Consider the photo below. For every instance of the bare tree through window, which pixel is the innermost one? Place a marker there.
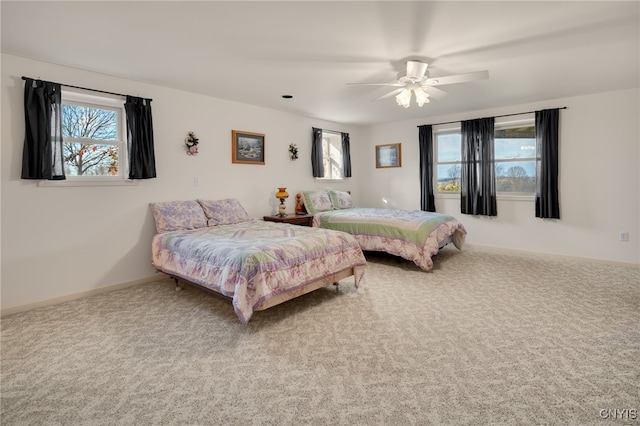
(453, 179)
(83, 128)
(515, 179)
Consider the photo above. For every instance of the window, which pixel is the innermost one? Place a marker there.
(332, 155)
(93, 135)
(449, 157)
(515, 159)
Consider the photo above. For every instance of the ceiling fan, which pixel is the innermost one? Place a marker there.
(416, 79)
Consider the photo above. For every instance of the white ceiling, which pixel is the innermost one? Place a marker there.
(255, 52)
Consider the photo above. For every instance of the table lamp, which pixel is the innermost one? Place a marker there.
(282, 195)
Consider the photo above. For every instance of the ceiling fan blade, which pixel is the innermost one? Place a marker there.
(416, 69)
(458, 78)
(434, 92)
(393, 83)
(388, 95)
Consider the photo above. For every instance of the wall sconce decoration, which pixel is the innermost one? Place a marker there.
(191, 141)
(282, 195)
(293, 152)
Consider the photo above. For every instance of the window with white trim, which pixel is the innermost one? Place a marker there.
(93, 136)
(514, 153)
(332, 155)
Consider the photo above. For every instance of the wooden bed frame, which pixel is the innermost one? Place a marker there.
(279, 298)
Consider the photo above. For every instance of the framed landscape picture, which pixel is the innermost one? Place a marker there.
(247, 147)
(389, 155)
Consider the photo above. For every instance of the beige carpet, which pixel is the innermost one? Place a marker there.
(488, 337)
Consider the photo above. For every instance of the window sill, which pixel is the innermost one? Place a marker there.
(516, 197)
(447, 195)
(87, 182)
(329, 180)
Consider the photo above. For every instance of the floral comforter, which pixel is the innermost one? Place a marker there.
(253, 261)
(414, 235)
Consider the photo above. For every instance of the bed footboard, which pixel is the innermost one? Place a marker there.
(283, 297)
(279, 298)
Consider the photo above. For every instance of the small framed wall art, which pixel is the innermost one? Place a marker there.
(389, 155)
(247, 147)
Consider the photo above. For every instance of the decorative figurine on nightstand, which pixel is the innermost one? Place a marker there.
(282, 195)
(299, 204)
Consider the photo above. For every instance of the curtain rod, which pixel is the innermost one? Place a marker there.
(84, 88)
(328, 130)
(332, 131)
(497, 116)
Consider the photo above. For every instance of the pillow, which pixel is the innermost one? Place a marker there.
(224, 212)
(178, 216)
(340, 199)
(317, 201)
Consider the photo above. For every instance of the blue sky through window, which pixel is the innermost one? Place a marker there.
(512, 149)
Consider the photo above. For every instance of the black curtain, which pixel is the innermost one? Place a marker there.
(142, 160)
(317, 166)
(425, 140)
(42, 156)
(547, 197)
(346, 155)
(478, 183)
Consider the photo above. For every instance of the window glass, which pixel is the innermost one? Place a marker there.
(449, 147)
(92, 137)
(515, 155)
(449, 156)
(515, 159)
(332, 155)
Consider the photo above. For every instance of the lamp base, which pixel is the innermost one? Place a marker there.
(282, 208)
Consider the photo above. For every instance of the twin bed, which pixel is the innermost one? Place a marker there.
(257, 264)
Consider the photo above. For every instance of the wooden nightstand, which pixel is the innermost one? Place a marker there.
(292, 218)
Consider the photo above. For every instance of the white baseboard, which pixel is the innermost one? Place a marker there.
(159, 276)
(29, 306)
(555, 255)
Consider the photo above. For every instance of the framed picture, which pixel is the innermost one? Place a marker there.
(247, 147)
(389, 155)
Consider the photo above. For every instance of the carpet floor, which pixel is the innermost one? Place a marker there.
(487, 337)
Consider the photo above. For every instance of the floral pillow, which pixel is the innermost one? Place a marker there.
(224, 212)
(340, 199)
(178, 216)
(317, 201)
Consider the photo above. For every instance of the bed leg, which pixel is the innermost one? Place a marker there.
(178, 286)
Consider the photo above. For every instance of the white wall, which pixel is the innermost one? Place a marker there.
(64, 241)
(61, 241)
(599, 180)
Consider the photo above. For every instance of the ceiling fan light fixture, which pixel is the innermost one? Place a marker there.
(416, 80)
(404, 98)
(422, 97)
